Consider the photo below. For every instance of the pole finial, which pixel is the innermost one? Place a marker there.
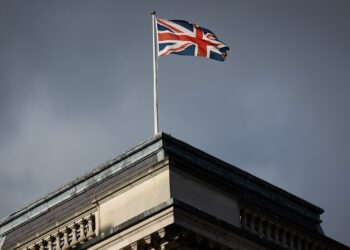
(153, 13)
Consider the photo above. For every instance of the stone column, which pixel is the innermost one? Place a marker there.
(42, 245)
(244, 218)
(284, 237)
(211, 244)
(313, 246)
(260, 227)
(252, 223)
(49, 244)
(74, 241)
(268, 230)
(58, 241)
(82, 236)
(298, 246)
(291, 240)
(90, 233)
(276, 234)
(65, 240)
(306, 244)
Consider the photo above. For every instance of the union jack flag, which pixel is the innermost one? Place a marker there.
(184, 38)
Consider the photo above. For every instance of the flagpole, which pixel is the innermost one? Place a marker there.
(155, 74)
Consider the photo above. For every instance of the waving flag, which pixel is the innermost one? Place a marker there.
(183, 38)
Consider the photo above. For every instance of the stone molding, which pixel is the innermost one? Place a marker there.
(174, 237)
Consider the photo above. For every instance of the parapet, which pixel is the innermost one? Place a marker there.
(166, 194)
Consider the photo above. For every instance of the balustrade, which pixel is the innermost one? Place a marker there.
(68, 237)
(275, 232)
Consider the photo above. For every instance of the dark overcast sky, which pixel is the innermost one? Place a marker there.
(76, 90)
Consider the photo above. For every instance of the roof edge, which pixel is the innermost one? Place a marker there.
(232, 168)
(72, 186)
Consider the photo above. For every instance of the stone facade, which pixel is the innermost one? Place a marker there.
(166, 194)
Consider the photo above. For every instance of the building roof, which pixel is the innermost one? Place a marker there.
(250, 191)
(247, 187)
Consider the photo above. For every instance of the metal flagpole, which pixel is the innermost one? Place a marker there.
(155, 73)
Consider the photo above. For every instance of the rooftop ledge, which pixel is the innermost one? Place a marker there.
(167, 145)
(82, 183)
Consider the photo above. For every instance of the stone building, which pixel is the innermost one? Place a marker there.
(166, 194)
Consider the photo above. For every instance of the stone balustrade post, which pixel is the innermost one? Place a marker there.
(268, 230)
(49, 244)
(90, 232)
(211, 244)
(276, 234)
(58, 241)
(306, 244)
(298, 246)
(82, 236)
(291, 240)
(74, 241)
(260, 228)
(284, 237)
(42, 245)
(65, 240)
(314, 246)
(252, 223)
(244, 218)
